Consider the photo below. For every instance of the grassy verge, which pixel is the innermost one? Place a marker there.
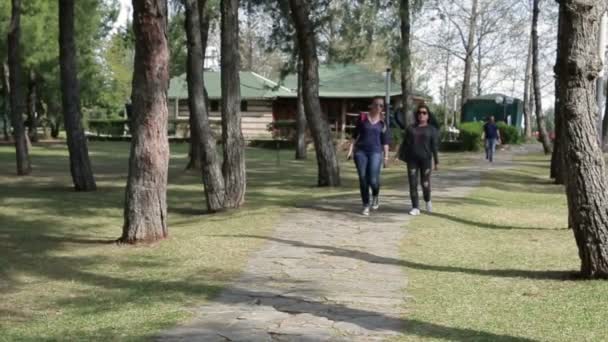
(61, 278)
(499, 265)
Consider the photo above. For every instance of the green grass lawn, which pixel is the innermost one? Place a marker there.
(62, 278)
(499, 265)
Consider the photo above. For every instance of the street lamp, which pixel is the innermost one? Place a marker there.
(504, 101)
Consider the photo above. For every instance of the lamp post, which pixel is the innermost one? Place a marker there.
(504, 101)
(387, 101)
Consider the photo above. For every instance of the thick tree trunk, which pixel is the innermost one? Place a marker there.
(213, 180)
(405, 55)
(469, 50)
(16, 91)
(146, 193)
(32, 96)
(586, 185)
(232, 136)
(80, 164)
(527, 94)
(6, 93)
(540, 116)
(557, 157)
(300, 115)
(327, 162)
(194, 153)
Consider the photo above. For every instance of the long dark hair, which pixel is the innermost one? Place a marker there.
(432, 120)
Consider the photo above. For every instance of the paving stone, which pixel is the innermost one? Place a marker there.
(326, 274)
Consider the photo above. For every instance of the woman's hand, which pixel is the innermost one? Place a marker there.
(386, 160)
(436, 168)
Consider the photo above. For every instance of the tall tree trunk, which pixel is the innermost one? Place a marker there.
(16, 92)
(195, 154)
(232, 136)
(479, 66)
(540, 116)
(527, 93)
(31, 106)
(80, 164)
(586, 185)
(146, 193)
(557, 157)
(446, 90)
(405, 55)
(6, 93)
(605, 129)
(250, 35)
(469, 50)
(213, 180)
(300, 115)
(327, 162)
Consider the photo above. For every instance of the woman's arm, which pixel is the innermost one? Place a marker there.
(435, 146)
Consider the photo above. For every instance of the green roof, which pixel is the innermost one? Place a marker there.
(347, 81)
(253, 86)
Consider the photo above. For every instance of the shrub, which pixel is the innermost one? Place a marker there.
(470, 135)
(283, 129)
(111, 127)
(509, 134)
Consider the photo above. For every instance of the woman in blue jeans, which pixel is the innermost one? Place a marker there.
(370, 149)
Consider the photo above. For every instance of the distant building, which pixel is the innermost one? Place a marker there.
(344, 90)
(502, 107)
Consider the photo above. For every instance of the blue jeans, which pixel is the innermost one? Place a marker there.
(490, 149)
(368, 167)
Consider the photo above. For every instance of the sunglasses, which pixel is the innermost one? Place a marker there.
(423, 113)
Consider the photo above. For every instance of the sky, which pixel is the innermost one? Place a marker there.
(125, 8)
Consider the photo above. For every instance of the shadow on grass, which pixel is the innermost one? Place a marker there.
(335, 312)
(368, 257)
(486, 225)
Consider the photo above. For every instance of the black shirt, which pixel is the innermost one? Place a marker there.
(420, 143)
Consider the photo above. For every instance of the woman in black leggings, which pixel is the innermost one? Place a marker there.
(419, 150)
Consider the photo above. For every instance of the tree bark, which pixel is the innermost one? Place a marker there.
(233, 168)
(527, 93)
(6, 93)
(557, 159)
(194, 153)
(80, 164)
(327, 162)
(301, 115)
(586, 185)
(540, 116)
(16, 93)
(470, 49)
(406, 62)
(605, 128)
(213, 180)
(31, 106)
(146, 193)
(479, 65)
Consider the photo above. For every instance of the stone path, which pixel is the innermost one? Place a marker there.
(326, 274)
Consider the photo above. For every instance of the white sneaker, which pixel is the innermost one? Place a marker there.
(365, 211)
(375, 203)
(429, 206)
(415, 212)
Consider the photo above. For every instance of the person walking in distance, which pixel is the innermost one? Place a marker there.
(491, 136)
(369, 147)
(419, 151)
